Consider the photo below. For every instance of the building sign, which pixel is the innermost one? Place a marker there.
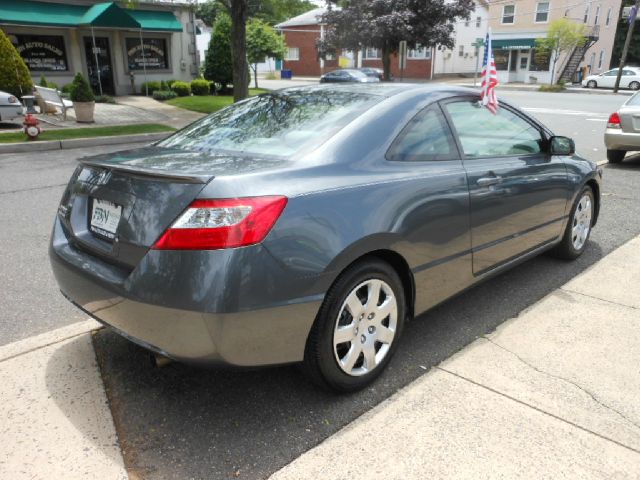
(42, 52)
(152, 57)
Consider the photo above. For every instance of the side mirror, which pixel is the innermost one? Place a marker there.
(562, 146)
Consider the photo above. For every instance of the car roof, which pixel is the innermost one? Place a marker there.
(385, 89)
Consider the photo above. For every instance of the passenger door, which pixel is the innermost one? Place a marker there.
(518, 191)
(433, 216)
(608, 79)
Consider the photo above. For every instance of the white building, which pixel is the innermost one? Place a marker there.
(464, 57)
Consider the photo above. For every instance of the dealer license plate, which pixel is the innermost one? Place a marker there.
(105, 217)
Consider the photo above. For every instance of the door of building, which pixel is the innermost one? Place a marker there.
(103, 69)
(523, 65)
(513, 65)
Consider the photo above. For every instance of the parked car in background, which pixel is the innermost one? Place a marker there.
(307, 224)
(347, 75)
(10, 107)
(373, 72)
(630, 79)
(623, 130)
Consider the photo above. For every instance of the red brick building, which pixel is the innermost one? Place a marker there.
(302, 32)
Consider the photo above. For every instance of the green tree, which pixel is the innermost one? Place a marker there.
(633, 55)
(562, 36)
(271, 11)
(14, 74)
(218, 65)
(263, 41)
(383, 24)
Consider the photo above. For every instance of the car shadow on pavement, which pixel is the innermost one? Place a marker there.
(184, 422)
(630, 162)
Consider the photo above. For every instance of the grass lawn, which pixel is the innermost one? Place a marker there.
(87, 132)
(208, 103)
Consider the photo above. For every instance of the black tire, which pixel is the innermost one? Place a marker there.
(592, 84)
(566, 249)
(634, 85)
(320, 361)
(615, 156)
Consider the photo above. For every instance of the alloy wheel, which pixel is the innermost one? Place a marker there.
(581, 221)
(365, 327)
(634, 85)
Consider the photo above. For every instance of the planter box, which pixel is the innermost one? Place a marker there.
(84, 111)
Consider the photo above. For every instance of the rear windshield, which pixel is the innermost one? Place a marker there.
(635, 100)
(277, 124)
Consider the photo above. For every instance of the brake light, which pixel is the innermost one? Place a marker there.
(223, 223)
(614, 121)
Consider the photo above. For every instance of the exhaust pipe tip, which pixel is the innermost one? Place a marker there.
(159, 361)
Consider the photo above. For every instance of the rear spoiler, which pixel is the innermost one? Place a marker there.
(150, 172)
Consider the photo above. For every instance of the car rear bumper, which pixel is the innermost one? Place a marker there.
(270, 335)
(617, 139)
(9, 112)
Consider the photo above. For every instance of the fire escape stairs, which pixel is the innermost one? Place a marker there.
(576, 56)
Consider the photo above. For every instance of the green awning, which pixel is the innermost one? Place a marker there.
(513, 44)
(108, 14)
(155, 20)
(40, 13)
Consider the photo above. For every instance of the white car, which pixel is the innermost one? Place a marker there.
(630, 79)
(10, 107)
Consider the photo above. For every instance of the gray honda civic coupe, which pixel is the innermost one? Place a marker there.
(309, 224)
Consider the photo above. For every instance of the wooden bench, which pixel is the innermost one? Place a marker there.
(51, 96)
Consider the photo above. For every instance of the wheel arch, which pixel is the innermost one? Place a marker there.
(399, 264)
(596, 195)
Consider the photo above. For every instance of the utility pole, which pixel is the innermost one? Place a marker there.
(623, 59)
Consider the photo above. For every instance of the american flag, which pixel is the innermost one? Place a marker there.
(489, 77)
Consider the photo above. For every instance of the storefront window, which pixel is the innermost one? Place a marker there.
(539, 61)
(42, 53)
(501, 58)
(154, 56)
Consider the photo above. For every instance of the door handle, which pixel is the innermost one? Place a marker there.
(488, 181)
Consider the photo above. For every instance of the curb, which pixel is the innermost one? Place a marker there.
(80, 142)
(36, 342)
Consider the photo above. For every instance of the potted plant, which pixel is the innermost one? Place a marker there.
(83, 99)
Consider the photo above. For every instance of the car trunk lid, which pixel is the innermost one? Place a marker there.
(117, 205)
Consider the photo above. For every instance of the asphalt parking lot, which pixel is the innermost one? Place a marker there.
(181, 422)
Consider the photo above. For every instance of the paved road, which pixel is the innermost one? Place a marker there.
(30, 189)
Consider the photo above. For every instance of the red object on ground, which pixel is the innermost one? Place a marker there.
(31, 126)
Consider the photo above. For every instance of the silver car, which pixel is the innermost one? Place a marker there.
(623, 130)
(10, 107)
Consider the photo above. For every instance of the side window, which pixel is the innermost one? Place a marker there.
(483, 134)
(426, 137)
(611, 73)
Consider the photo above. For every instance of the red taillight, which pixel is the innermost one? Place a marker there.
(223, 223)
(614, 121)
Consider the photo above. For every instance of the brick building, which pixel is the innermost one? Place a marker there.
(302, 32)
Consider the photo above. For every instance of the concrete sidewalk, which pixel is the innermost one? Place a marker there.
(55, 417)
(553, 393)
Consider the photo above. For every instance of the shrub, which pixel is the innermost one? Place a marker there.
(14, 74)
(164, 86)
(66, 88)
(152, 85)
(164, 95)
(183, 89)
(81, 91)
(170, 82)
(218, 64)
(105, 99)
(551, 88)
(43, 81)
(200, 86)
